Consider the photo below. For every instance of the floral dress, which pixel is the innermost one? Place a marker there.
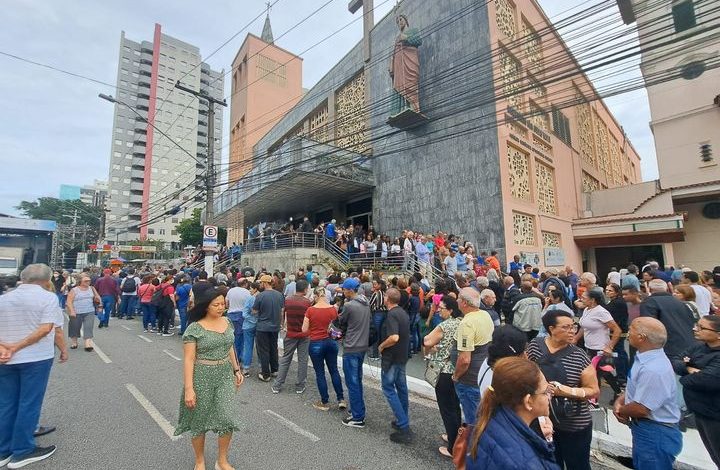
(216, 408)
(446, 345)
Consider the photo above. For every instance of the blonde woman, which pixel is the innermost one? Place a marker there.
(81, 306)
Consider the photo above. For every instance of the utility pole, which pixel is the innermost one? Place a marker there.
(210, 166)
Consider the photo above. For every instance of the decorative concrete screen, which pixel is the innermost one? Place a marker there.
(505, 17)
(351, 116)
(545, 188)
(519, 166)
(523, 229)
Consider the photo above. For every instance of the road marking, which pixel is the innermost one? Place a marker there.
(126, 327)
(144, 338)
(102, 355)
(171, 355)
(294, 427)
(153, 412)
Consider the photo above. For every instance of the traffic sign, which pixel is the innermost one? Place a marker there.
(210, 237)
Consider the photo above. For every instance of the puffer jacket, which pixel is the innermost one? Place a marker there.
(509, 444)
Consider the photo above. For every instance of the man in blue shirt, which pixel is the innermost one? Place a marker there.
(515, 264)
(649, 405)
(330, 230)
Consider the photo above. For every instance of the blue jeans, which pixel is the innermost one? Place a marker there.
(182, 311)
(239, 342)
(148, 313)
(394, 387)
(415, 340)
(655, 446)
(62, 299)
(378, 320)
(469, 396)
(352, 368)
(23, 389)
(621, 362)
(248, 343)
(326, 351)
(108, 303)
(128, 305)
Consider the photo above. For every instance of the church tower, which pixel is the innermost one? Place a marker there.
(266, 84)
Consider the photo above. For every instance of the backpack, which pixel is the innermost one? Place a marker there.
(128, 285)
(159, 298)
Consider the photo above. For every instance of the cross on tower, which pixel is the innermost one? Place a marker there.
(368, 22)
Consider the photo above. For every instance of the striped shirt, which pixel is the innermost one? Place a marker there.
(574, 362)
(22, 311)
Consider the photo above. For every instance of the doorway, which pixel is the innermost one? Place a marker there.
(619, 257)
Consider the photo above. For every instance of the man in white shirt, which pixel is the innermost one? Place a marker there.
(28, 316)
(235, 301)
(129, 295)
(703, 297)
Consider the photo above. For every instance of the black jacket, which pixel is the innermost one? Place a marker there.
(676, 317)
(619, 311)
(701, 389)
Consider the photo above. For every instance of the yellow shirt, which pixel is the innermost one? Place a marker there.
(476, 329)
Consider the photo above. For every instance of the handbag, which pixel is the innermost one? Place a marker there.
(433, 369)
(459, 450)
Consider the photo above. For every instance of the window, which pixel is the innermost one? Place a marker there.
(162, 231)
(683, 13)
(118, 142)
(151, 231)
(561, 126)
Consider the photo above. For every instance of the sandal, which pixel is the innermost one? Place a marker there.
(73, 346)
(444, 451)
(89, 349)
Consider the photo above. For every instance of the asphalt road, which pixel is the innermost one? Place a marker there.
(116, 408)
(102, 423)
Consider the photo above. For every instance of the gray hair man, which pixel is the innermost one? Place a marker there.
(473, 337)
(487, 303)
(673, 314)
(649, 403)
(28, 315)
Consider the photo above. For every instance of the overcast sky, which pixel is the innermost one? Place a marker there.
(55, 130)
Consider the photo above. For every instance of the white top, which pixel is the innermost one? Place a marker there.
(595, 330)
(484, 377)
(137, 284)
(450, 265)
(22, 311)
(237, 298)
(703, 299)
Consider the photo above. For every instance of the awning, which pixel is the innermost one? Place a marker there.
(298, 193)
(628, 230)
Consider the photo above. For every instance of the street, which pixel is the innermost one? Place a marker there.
(107, 413)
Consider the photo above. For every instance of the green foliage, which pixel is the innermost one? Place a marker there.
(191, 230)
(50, 208)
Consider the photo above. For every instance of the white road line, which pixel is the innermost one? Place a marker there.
(294, 427)
(126, 327)
(144, 338)
(153, 412)
(102, 355)
(171, 355)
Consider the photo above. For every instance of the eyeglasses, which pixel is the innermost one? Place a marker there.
(569, 327)
(698, 327)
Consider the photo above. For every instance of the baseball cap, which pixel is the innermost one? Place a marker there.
(266, 278)
(351, 283)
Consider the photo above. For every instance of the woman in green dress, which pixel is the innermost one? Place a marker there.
(212, 377)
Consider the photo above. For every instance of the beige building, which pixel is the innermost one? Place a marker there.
(675, 219)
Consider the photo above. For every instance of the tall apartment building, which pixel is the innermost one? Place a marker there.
(149, 174)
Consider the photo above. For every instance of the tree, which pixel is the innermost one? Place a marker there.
(191, 230)
(50, 208)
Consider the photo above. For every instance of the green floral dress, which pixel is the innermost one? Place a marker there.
(216, 408)
(446, 345)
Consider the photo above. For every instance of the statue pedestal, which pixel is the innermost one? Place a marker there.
(407, 119)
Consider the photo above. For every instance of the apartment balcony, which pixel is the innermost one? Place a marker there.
(136, 186)
(138, 162)
(202, 140)
(139, 149)
(137, 174)
(143, 104)
(140, 139)
(135, 217)
(145, 69)
(136, 198)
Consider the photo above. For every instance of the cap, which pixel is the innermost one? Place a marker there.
(266, 278)
(351, 283)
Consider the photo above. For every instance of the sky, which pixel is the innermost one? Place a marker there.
(55, 130)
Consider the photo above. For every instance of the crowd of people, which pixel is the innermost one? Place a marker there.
(516, 356)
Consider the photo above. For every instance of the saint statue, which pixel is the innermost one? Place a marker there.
(405, 69)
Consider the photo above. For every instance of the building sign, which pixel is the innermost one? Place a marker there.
(210, 237)
(28, 224)
(529, 257)
(554, 257)
(119, 248)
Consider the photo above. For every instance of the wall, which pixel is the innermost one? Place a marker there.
(288, 260)
(443, 175)
(623, 200)
(699, 250)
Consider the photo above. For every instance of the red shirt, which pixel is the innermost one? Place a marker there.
(295, 308)
(320, 319)
(145, 291)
